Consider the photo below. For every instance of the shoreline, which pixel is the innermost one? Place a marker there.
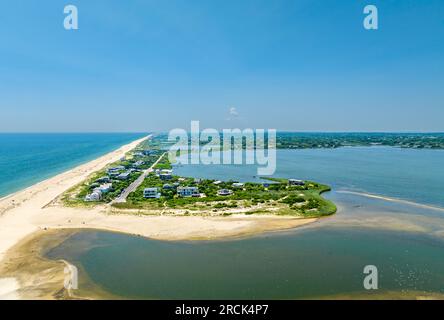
(41, 277)
(83, 162)
(27, 273)
(31, 211)
(18, 209)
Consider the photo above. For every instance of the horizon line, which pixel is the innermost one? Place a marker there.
(163, 131)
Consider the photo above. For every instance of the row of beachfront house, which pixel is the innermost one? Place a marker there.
(183, 192)
(143, 153)
(105, 182)
(120, 172)
(115, 171)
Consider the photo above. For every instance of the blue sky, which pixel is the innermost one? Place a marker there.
(297, 65)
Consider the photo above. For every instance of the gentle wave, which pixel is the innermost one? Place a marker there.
(397, 200)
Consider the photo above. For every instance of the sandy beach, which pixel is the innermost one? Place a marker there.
(30, 212)
(8, 289)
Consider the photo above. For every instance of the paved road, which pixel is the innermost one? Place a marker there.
(133, 186)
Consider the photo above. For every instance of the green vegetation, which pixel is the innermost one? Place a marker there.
(134, 162)
(158, 142)
(276, 196)
(164, 163)
(291, 140)
(313, 140)
(117, 186)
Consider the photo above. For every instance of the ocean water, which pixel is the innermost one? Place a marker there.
(26, 159)
(404, 240)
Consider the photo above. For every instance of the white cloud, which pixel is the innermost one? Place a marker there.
(233, 112)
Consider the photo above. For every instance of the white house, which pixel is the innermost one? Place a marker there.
(104, 188)
(115, 169)
(295, 182)
(224, 192)
(238, 185)
(138, 163)
(96, 195)
(151, 193)
(188, 192)
(124, 176)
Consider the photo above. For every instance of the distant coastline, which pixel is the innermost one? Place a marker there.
(294, 140)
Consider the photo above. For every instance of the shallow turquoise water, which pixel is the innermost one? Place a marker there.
(26, 159)
(325, 258)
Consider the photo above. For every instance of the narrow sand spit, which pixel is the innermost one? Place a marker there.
(27, 212)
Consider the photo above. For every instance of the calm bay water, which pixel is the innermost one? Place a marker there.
(304, 264)
(409, 174)
(26, 159)
(405, 241)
